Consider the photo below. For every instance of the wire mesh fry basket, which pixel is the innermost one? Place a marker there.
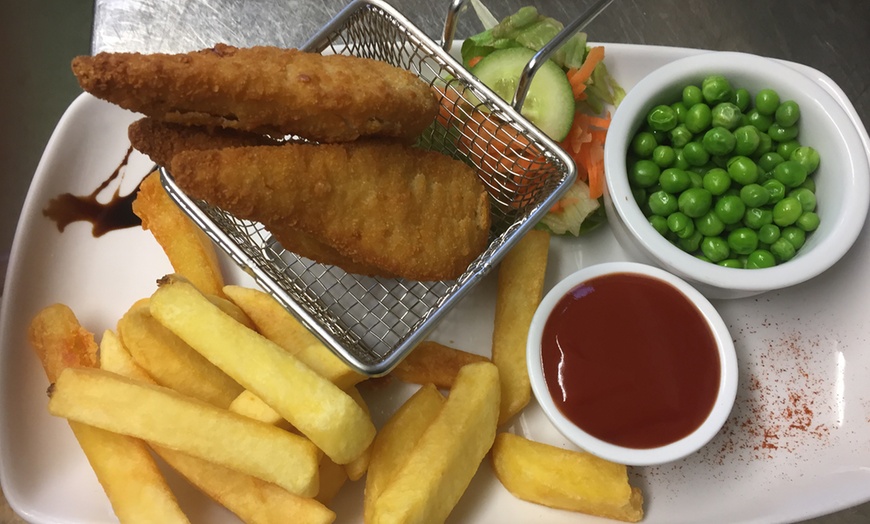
(371, 323)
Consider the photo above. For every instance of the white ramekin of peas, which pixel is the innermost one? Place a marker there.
(736, 172)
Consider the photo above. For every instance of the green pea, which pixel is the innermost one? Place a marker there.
(644, 173)
(730, 209)
(754, 195)
(806, 197)
(659, 223)
(709, 224)
(662, 118)
(664, 156)
(698, 118)
(788, 113)
(768, 233)
(674, 180)
(680, 110)
(766, 101)
(691, 243)
(807, 157)
(786, 211)
(697, 179)
(695, 202)
(726, 115)
(715, 248)
(680, 136)
(785, 149)
(743, 170)
(731, 262)
(808, 221)
(782, 134)
(810, 184)
(756, 217)
(775, 188)
(695, 154)
(747, 139)
(716, 89)
(765, 144)
(679, 161)
(692, 95)
(741, 98)
(791, 173)
(662, 203)
(759, 121)
(782, 250)
(681, 224)
(759, 259)
(768, 161)
(643, 144)
(743, 241)
(716, 181)
(719, 141)
(795, 235)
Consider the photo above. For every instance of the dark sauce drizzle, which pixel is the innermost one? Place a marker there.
(115, 214)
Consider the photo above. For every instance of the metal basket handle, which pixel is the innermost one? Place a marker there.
(535, 63)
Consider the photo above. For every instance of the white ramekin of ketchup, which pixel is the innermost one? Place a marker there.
(631, 363)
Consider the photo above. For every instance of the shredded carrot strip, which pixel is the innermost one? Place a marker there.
(473, 61)
(578, 77)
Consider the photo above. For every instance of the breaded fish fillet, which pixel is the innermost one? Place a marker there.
(162, 140)
(406, 212)
(333, 98)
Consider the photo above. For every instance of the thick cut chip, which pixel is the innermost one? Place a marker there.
(123, 465)
(434, 363)
(166, 418)
(128, 474)
(60, 341)
(189, 250)
(520, 286)
(332, 477)
(252, 499)
(313, 405)
(114, 357)
(565, 479)
(396, 440)
(439, 468)
(252, 406)
(171, 361)
(278, 325)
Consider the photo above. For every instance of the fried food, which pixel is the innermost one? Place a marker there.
(123, 465)
(278, 325)
(439, 468)
(59, 341)
(169, 419)
(269, 90)
(434, 363)
(520, 286)
(409, 213)
(171, 361)
(315, 406)
(396, 439)
(189, 250)
(565, 479)
(161, 141)
(252, 499)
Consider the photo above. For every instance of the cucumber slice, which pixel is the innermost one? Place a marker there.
(549, 103)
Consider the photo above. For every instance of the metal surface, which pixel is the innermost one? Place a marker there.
(371, 323)
(43, 36)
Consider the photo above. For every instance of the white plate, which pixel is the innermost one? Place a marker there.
(795, 446)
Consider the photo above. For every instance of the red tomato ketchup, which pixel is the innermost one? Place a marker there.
(630, 360)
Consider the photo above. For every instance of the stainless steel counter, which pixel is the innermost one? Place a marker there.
(830, 36)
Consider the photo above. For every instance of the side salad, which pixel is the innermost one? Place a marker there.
(567, 100)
